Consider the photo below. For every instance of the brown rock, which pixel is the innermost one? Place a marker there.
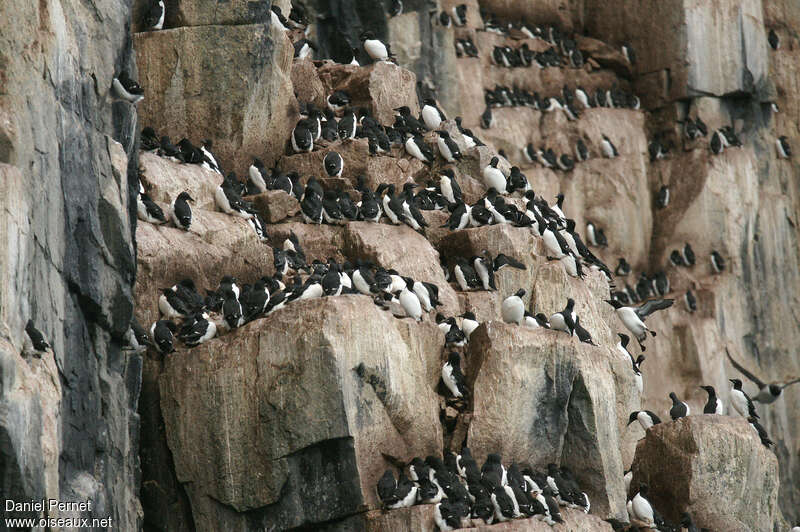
(604, 54)
(357, 161)
(239, 94)
(300, 394)
(207, 12)
(275, 205)
(554, 404)
(217, 244)
(381, 87)
(163, 180)
(680, 462)
(307, 85)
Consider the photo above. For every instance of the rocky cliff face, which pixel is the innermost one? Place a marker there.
(288, 422)
(69, 427)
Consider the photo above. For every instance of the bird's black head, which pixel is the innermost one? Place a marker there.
(366, 35)
(643, 489)
(448, 172)
(185, 197)
(440, 317)
(493, 458)
(775, 389)
(187, 283)
(624, 339)
(469, 315)
(709, 389)
(493, 162)
(673, 396)
(640, 359)
(632, 417)
(570, 303)
(442, 133)
(616, 304)
(737, 384)
(520, 293)
(453, 359)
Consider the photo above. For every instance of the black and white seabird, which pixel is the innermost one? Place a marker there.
(662, 198)
(717, 262)
(688, 255)
(633, 317)
(431, 114)
(690, 300)
(767, 392)
(447, 147)
(609, 150)
(582, 334)
(741, 401)
(410, 302)
(34, 342)
(303, 48)
(126, 89)
(395, 8)
(493, 177)
(386, 487)
(148, 211)
(182, 212)
(419, 149)
(338, 101)
(565, 319)
(468, 323)
(784, 149)
(302, 136)
(714, 403)
(448, 186)
(154, 17)
(773, 40)
(162, 332)
(645, 418)
(460, 15)
(640, 508)
(629, 53)
(581, 151)
(333, 164)
(513, 309)
(716, 144)
(623, 268)
(679, 408)
(452, 377)
(376, 50)
(201, 330)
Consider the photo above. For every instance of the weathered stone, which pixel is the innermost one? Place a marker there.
(357, 162)
(217, 244)
(275, 205)
(273, 391)
(307, 85)
(239, 94)
(163, 180)
(380, 87)
(554, 405)
(681, 463)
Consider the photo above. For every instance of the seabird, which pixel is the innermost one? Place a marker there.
(640, 507)
(582, 334)
(417, 147)
(302, 137)
(636, 365)
(448, 186)
(767, 393)
(182, 212)
(717, 262)
(447, 147)
(628, 52)
(34, 343)
(303, 48)
(581, 151)
(645, 418)
(662, 198)
(609, 150)
(431, 114)
(679, 408)
(410, 302)
(333, 164)
(162, 332)
(784, 150)
(513, 309)
(154, 17)
(201, 330)
(623, 268)
(741, 401)
(148, 211)
(714, 403)
(395, 8)
(688, 255)
(493, 177)
(255, 174)
(487, 120)
(375, 49)
(773, 40)
(716, 143)
(338, 101)
(633, 317)
(690, 301)
(348, 125)
(460, 15)
(564, 320)
(468, 323)
(452, 377)
(126, 89)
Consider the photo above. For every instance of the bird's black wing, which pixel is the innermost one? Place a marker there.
(744, 372)
(504, 260)
(652, 306)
